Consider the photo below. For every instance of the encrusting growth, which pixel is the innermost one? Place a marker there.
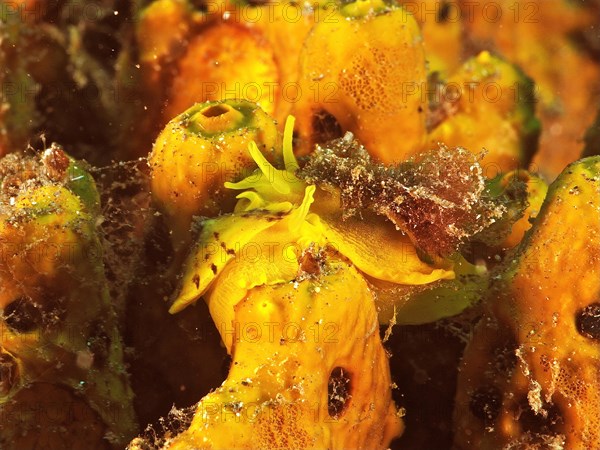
(61, 350)
(539, 387)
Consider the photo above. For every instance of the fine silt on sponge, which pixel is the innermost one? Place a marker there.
(63, 381)
(529, 376)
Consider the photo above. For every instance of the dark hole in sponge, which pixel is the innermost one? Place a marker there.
(338, 392)
(485, 403)
(215, 111)
(542, 422)
(587, 321)
(443, 13)
(22, 315)
(325, 127)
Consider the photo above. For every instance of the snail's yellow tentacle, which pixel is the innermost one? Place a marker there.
(291, 164)
(298, 217)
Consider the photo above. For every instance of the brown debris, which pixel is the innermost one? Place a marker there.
(438, 199)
